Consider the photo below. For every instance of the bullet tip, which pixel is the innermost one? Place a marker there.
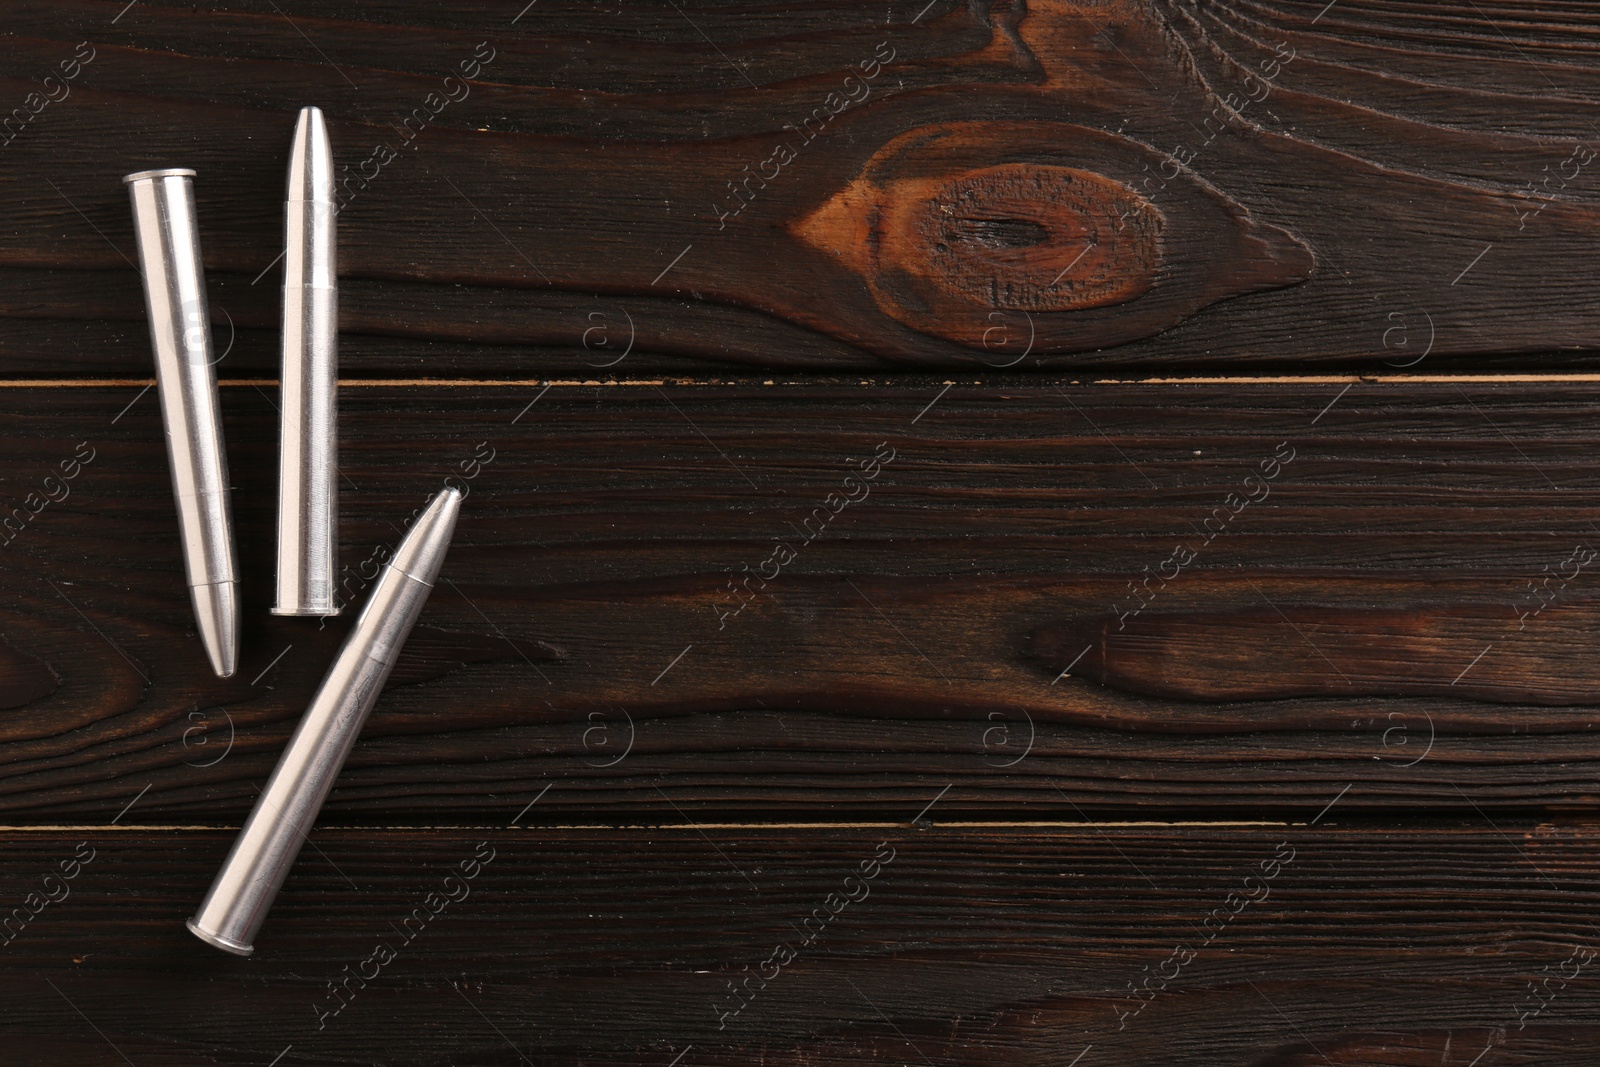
(216, 614)
(310, 158)
(422, 551)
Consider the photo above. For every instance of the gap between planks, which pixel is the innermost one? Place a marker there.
(908, 380)
(1034, 824)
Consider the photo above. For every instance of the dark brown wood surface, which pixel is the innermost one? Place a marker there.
(1264, 946)
(834, 186)
(999, 611)
(997, 532)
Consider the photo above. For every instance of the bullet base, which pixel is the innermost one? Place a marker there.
(313, 613)
(217, 940)
(149, 175)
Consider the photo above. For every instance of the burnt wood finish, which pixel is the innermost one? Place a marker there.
(979, 185)
(859, 645)
(811, 601)
(1204, 946)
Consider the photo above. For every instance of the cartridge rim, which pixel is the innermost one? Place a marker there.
(218, 940)
(165, 172)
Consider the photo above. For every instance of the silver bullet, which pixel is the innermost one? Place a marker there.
(232, 912)
(180, 334)
(308, 499)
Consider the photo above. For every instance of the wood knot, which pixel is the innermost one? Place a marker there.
(1027, 237)
(943, 253)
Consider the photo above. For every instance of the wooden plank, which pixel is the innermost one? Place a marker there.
(1121, 945)
(1281, 590)
(978, 186)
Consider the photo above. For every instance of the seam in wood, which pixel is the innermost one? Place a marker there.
(1044, 380)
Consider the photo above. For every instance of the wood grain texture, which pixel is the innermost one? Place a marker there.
(773, 681)
(536, 193)
(1258, 946)
(827, 600)
(1215, 655)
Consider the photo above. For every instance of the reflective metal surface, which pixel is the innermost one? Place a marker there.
(266, 848)
(180, 334)
(308, 501)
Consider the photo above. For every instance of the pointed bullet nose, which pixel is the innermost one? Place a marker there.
(422, 552)
(216, 613)
(311, 159)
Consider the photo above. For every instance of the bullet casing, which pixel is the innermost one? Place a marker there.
(244, 889)
(180, 335)
(308, 499)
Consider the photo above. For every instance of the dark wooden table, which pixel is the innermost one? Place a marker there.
(998, 533)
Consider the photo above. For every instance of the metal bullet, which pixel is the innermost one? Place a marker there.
(308, 499)
(180, 334)
(232, 912)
